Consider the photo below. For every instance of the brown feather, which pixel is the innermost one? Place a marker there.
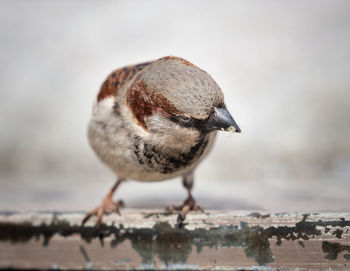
(143, 102)
(117, 79)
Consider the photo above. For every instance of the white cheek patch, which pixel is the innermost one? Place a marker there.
(102, 110)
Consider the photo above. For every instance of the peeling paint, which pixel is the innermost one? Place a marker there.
(173, 245)
(338, 233)
(258, 215)
(333, 249)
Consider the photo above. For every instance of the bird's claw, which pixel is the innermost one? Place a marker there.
(118, 205)
(107, 207)
(188, 205)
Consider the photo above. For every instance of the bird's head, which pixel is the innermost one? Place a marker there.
(173, 99)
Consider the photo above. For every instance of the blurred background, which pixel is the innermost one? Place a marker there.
(284, 67)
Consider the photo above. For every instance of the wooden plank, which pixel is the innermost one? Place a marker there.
(141, 239)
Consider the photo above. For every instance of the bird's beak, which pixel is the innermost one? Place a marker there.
(221, 119)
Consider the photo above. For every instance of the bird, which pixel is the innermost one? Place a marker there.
(155, 121)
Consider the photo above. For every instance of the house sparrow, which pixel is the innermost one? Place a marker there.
(154, 121)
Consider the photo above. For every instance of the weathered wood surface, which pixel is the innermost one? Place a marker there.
(141, 239)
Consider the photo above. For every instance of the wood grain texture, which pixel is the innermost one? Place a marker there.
(142, 239)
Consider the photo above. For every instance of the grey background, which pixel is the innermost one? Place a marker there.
(284, 67)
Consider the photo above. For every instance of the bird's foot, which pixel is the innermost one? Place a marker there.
(108, 206)
(188, 205)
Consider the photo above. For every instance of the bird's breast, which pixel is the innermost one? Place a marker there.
(153, 158)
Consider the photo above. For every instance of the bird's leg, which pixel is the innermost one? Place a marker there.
(107, 206)
(190, 203)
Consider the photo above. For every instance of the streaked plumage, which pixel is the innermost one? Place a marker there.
(157, 120)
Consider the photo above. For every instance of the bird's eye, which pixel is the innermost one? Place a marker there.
(185, 118)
